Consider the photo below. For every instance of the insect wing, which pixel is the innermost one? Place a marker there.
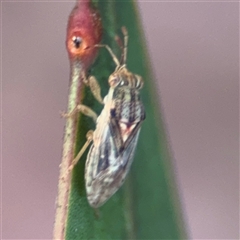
(127, 115)
(104, 172)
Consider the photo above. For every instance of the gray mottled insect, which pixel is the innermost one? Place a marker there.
(116, 134)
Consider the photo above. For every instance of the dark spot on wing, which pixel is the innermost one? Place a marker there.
(113, 113)
(103, 157)
(121, 149)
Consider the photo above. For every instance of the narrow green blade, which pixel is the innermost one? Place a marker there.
(147, 205)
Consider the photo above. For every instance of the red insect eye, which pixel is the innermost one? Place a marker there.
(76, 44)
(77, 41)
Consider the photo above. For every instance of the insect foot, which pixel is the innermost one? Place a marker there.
(83, 109)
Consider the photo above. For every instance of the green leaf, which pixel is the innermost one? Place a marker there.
(147, 205)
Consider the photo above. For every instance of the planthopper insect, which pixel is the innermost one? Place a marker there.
(117, 131)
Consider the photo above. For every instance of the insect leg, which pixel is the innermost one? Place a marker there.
(89, 137)
(95, 88)
(83, 109)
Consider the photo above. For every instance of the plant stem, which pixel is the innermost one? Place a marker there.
(84, 24)
(75, 92)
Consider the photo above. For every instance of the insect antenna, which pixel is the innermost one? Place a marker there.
(125, 34)
(115, 59)
(120, 44)
(122, 63)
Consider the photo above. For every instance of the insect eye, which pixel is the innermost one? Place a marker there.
(77, 41)
(124, 82)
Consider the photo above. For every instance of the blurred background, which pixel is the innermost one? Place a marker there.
(194, 53)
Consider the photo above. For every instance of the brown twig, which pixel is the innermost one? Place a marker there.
(67, 156)
(83, 32)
